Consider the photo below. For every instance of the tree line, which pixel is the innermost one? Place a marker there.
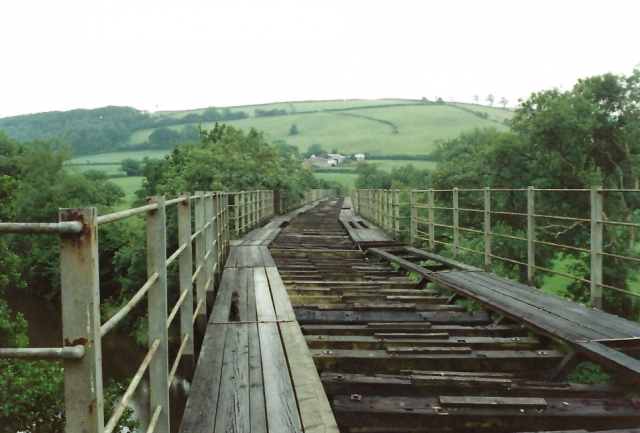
(34, 184)
(587, 136)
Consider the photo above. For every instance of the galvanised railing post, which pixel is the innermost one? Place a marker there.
(201, 251)
(375, 206)
(186, 270)
(487, 229)
(432, 220)
(243, 207)
(597, 215)
(81, 322)
(209, 255)
(397, 216)
(456, 232)
(385, 197)
(157, 264)
(236, 213)
(215, 222)
(414, 218)
(531, 227)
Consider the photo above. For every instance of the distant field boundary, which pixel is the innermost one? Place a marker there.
(80, 164)
(402, 157)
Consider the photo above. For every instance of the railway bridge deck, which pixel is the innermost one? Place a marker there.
(322, 324)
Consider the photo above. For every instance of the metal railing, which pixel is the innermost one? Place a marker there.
(383, 208)
(80, 290)
(210, 213)
(250, 208)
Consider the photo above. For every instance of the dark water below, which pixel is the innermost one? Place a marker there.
(121, 355)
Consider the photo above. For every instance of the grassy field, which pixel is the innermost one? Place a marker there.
(109, 169)
(118, 156)
(347, 179)
(410, 130)
(129, 185)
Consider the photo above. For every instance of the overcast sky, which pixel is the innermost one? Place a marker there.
(61, 55)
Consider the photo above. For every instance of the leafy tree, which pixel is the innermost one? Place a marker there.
(293, 130)
(189, 133)
(504, 102)
(131, 167)
(163, 138)
(490, 99)
(314, 149)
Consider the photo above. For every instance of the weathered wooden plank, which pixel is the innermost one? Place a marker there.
(452, 330)
(280, 400)
(308, 317)
(233, 412)
(358, 361)
(200, 411)
(257, 406)
(459, 383)
(519, 402)
(416, 412)
(377, 342)
(266, 257)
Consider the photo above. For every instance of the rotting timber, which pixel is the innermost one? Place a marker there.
(398, 355)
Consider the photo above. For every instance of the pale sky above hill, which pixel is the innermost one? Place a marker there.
(172, 55)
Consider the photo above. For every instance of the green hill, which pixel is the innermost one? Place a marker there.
(374, 127)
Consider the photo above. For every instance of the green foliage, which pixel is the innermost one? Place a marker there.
(315, 149)
(270, 113)
(131, 167)
(86, 131)
(293, 130)
(588, 372)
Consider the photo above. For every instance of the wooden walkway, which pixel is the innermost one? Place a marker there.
(255, 372)
(310, 333)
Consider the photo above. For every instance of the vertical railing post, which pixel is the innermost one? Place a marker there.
(531, 228)
(79, 272)
(387, 214)
(227, 236)
(456, 232)
(209, 262)
(216, 250)
(201, 251)
(236, 214)
(186, 270)
(157, 310)
(487, 229)
(282, 211)
(597, 214)
(414, 218)
(243, 225)
(432, 220)
(397, 216)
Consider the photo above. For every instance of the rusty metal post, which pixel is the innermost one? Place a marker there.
(432, 220)
(414, 218)
(215, 222)
(201, 251)
(157, 310)
(79, 270)
(531, 228)
(186, 270)
(236, 213)
(597, 215)
(397, 216)
(210, 259)
(487, 229)
(456, 232)
(243, 213)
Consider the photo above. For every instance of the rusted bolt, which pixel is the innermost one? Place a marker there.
(327, 352)
(320, 337)
(356, 397)
(339, 377)
(357, 317)
(541, 352)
